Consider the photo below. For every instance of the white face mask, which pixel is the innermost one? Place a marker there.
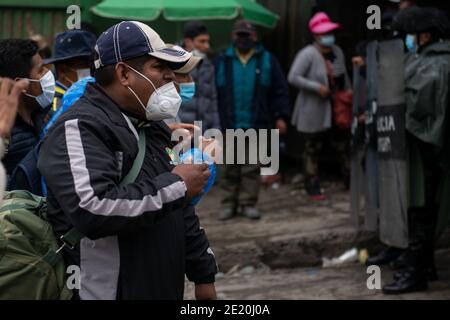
(164, 102)
(47, 83)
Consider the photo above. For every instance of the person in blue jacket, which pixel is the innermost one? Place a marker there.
(252, 93)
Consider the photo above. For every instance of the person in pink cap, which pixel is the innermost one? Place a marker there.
(318, 72)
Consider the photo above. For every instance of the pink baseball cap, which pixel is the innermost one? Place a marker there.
(321, 23)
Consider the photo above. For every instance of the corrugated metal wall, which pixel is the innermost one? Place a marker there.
(23, 18)
(22, 23)
(291, 32)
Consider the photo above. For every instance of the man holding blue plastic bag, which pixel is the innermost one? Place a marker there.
(141, 237)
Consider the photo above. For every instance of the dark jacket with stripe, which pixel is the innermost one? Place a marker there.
(141, 239)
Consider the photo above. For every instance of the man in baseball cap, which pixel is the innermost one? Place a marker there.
(121, 189)
(131, 58)
(131, 39)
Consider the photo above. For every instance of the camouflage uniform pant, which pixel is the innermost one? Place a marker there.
(240, 182)
(340, 142)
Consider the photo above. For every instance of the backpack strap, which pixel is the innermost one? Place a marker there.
(138, 161)
(73, 237)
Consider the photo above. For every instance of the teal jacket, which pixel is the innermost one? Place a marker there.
(253, 95)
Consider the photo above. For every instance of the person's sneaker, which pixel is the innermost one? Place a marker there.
(251, 212)
(226, 214)
(314, 190)
(319, 197)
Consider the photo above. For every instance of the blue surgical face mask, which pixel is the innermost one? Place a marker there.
(187, 91)
(328, 40)
(410, 42)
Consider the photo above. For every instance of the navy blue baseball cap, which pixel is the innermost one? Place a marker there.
(131, 39)
(72, 44)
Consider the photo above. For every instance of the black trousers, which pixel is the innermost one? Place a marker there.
(422, 220)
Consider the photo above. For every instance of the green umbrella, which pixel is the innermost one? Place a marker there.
(184, 10)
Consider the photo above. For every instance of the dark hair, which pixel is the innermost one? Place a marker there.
(45, 52)
(15, 57)
(193, 29)
(105, 75)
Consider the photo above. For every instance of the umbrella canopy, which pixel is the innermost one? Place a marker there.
(182, 10)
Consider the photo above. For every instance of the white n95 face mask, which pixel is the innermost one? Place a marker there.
(47, 83)
(164, 102)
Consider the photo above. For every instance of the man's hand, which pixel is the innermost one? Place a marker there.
(187, 126)
(205, 291)
(9, 101)
(213, 148)
(324, 92)
(185, 132)
(195, 176)
(281, 126)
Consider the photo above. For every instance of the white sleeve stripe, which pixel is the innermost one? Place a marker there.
(108, 207)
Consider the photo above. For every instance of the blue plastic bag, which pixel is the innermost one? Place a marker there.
(198, 157)
(69, 98)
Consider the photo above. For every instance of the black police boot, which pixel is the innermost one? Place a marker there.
(431, 274)
(425, 227)
(401, 262)
(414, 277)
(384, 257)
(412, 280)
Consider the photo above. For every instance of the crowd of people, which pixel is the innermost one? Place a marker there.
(140, 88)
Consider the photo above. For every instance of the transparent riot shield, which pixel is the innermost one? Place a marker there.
(391, 133)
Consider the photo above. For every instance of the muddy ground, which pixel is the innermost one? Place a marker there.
(280, 256)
